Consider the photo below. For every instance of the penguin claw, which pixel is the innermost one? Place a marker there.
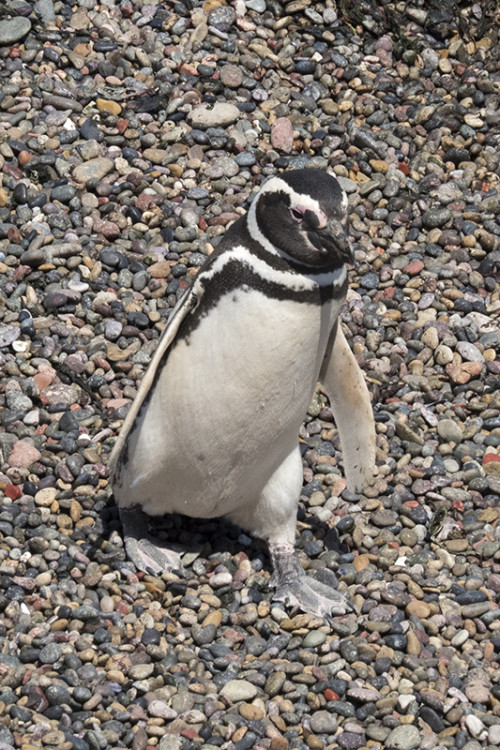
(150, 557)
(146, 552)
(297, 590)
(308, 596)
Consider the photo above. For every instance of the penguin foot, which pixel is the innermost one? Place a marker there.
(145, 551)
(296, 589)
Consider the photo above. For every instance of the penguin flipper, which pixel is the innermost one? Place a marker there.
(350, 400)
(188, 302)
(144, 550)
(298, 590)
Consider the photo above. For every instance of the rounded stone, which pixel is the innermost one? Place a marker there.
(14, 29)
(450, 431)
(239, 690)
(323, 722)
(405, 737)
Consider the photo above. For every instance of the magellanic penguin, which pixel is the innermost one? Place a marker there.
(214, 428)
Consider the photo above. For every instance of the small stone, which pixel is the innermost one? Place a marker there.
(323, 722)
(473, 121)
(219, 114)
(221, 17)
(23, 454)
(413, 646)
(436, 217)
(13, 29)
(364, 695)
(413, 269)
(351, 740)
(430, 337)
(162, 710)
(450, 431)
(239, 690)
(251, 712)
(314, 639)
(469, 352)
(46, 496)
(461, 374)
(231, 75)
(405, 737)
(107, 105)
(418, 608)
(274, 683)
(494, 735)
(474, 725)
(443, 355)
(50, 653)
(282, 134)
(92, 169)
(378, 165)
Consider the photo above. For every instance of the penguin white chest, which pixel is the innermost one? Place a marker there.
(227, 405)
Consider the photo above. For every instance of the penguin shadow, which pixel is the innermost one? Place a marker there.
(212, 542)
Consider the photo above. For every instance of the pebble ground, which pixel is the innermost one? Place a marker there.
(131, 134)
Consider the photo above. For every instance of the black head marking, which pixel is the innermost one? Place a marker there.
(303, 213)
(319, 185)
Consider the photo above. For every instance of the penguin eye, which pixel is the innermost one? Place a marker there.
(296, 214)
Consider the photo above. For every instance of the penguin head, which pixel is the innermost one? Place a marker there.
(303, 214)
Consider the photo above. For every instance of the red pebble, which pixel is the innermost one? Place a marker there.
(122, 125)
(12, 491)
(404, 168)
(490, 457)
(331, 695)
(123, 607)
(414, 268)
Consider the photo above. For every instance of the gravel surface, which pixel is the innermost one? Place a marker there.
(130, 135)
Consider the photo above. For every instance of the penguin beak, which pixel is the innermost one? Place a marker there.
(337, 233)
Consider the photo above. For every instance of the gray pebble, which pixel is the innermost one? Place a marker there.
(13, 29)
(405, 737)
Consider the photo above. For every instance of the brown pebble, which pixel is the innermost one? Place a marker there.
(414, 646)
(231, 76)
(213, 618)
(314, 742)
(462, 373)
(24, 157)
(251, 712)
(279, 743)
(361, 562)
(296, 623)
(160, 270)
(418, 608)
(106, 105)
(140, 741)
(379, 165)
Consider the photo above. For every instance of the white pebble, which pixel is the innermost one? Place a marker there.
(20, 346)
(475, 726)
(460, 637)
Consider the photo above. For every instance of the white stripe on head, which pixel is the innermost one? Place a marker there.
(298, 200)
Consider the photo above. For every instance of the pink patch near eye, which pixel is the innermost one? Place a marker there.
(296, 214)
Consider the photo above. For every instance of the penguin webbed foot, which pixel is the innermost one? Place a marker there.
(298, 590)
(144, 550)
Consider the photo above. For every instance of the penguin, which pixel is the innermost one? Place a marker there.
(213, 430)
